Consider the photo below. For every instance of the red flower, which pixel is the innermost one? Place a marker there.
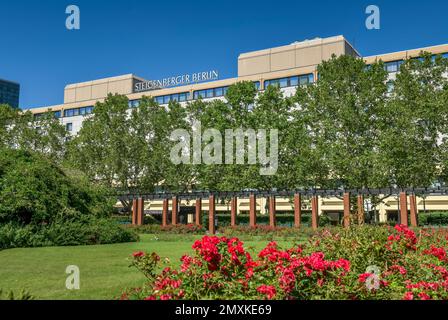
(138, 254)
(408, 296)
(364, 276)
(424, 296)
(269, 291)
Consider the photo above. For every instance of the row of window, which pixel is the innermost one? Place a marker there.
(290, 81)
(78, 111)
(180, 97)
(394, 66)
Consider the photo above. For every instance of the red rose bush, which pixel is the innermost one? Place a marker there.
(356, 263)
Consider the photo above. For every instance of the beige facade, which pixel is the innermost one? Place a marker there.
(296, 59)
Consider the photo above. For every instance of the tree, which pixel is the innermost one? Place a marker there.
(23, 130)
(339, 113)
(413, 123)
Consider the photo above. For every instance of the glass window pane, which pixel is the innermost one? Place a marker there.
(283, 82)
(224, 90)
(174, 97)
(182, 97)
(310, 78)
(89, 110)
(209, 93)
(257, 85)
(159, 100)
(166, 99)
(75, 112)
(196, 95)
(219, 92)
(294, 81)
(82, 111)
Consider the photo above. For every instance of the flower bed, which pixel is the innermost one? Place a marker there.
(357, 263)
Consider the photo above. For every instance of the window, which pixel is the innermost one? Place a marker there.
(82, 111)
(393, 66)
(219, 92)
(210, 93)
(445, 55)
(57, 114)
(68, 113)
(390, 86)
(89, 110)
(69, 127)
(294, 81)
(134, 103)
(290, 81)
(183, 96)
(257, 85)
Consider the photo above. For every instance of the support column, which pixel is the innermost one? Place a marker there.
(361, 215)
(252, 211)
(140, 211)
(211, 215)
(165, 213)
(413, 208)
(297, 210)
(198, 216)
(346, 219)
(233, 211)
(134, 211)
(174, 206)
(315, 212)
(272, 220)
(403, 209)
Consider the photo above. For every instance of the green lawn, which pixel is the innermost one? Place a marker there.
(104, 269)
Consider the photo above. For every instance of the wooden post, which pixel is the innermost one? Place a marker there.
(403, 209)
(174, 206)
(140, 211)
(272, 220)
(360, 209)
(211, 214)
(297, 210)
(346, 219)
(198, 217)
(315, 212)
(233, 211)
(134, 211)
(413, 208)
(252, 211)
(165, 213)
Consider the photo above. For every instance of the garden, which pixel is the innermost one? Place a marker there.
(360, 263)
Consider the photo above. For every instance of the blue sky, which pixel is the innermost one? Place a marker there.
(165, 38)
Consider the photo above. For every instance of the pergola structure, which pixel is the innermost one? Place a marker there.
(138, 200)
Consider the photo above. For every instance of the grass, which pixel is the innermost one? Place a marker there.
(104, 269)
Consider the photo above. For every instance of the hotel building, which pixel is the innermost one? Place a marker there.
(286, 66)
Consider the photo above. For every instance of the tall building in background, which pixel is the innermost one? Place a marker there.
(9, 93)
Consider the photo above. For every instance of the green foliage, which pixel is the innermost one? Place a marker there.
(84, 231)
(34, 190)
(22, 130)
(433, 218)
(10, 295)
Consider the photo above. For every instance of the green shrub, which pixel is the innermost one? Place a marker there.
(433, 218)
(71, 233)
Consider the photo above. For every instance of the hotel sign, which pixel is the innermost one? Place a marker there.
(180, 80)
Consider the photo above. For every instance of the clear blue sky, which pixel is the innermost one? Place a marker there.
(156, 39)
